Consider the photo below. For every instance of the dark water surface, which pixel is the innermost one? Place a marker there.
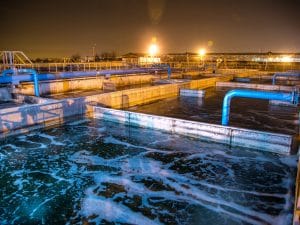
(90, 172)
(245, 113)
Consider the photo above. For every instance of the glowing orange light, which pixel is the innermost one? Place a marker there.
(153, 49)
(202, 52)
(286, 59)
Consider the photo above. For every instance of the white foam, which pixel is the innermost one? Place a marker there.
(131, 169)
(84, 157)
(2, 156)
(148, 168)
(113, 212)
(52, 139)
(113, 140)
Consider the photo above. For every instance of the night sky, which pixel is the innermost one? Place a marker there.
(58, 28)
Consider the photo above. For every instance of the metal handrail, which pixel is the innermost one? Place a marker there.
(284, 74)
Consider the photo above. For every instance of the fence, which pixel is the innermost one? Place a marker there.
(117, 65)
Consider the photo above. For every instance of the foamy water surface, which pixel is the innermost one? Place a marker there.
(91, 172)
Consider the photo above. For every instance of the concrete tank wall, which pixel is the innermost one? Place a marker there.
(268, 87)
(259, 140)
(138, 96)
(21, 118)
(27, 117)
(243, 72)
(92, 83)
(87, 83)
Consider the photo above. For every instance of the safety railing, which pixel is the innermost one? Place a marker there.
(285, 74)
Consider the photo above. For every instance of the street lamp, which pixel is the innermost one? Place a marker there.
(202, 53)
(153, 50)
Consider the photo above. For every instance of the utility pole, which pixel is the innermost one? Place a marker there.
(187, 61)
(94, 55)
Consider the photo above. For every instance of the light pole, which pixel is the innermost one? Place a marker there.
(153, 50)
(93, 49)
(202, 53)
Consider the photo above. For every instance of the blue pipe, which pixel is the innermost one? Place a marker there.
(280, 96)
(163, 67)
(8, 71)
(35, 79)
(30, 75)
(169, 72)
(27, 75)
(4, 79)
(285, 74)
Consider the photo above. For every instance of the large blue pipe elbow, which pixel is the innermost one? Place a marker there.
(280, 96)
(29, 74)
(35, 79)
(8, 71)
(285, 74)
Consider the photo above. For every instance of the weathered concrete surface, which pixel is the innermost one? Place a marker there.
(209, 82)
(169, 81)
(86, 83)
(243, 72)
(41, 115)
(109, 86)
(192, 93)
(193, 73)
(5, 94)
(256, 86)
(19, 98)
(281, 103)
(203, 74)
(51, 111)
(232, 136)
(138, 96)
(92, 83)
(132, 97)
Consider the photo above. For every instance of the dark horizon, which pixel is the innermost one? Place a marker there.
(62, 28)
(184, 53)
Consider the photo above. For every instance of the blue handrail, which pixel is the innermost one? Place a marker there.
(242, 93)
(284, 74)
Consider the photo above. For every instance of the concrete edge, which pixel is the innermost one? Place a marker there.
(42, 125)
(255, 86)
(259, 140)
